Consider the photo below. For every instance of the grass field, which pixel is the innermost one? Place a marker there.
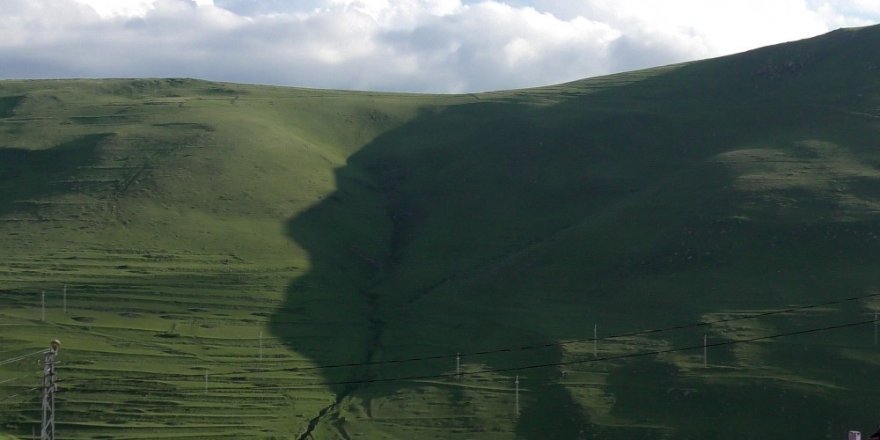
(228, 251)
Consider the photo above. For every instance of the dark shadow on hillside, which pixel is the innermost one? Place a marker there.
(439, 202)
(28, 176)
(8, 105)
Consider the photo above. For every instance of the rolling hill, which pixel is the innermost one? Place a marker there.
(224, 260)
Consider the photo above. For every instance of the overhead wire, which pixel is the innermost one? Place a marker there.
(12, 379)
(558, 343)
(537, 346)
(22, 357)
(199, 390)
(10, 382)
(584, 361)
(544, 345)
(8, 399)
(520, 348)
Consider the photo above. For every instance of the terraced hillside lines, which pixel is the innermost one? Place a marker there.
(161, 212)
(131, 350)
(261, 262)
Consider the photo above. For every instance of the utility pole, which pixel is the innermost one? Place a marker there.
(705, 352)
(47, 430)
(595, 340)
(516, 401)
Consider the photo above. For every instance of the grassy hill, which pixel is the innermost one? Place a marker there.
(226, 247)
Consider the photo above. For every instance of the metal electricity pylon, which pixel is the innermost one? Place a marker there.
(47, 431)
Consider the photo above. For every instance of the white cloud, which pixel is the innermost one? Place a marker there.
(128, 8)
(406, 45)
(700, 27)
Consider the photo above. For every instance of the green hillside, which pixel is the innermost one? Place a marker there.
(259, 262)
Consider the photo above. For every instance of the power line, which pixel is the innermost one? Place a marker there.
(8, 399)
(14, 380)
(588, 361)
(538, 346)
(520, 348)
(560, 343)
(11, 379)
(192, 390)
(21, 357)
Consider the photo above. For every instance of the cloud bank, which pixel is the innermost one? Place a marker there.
(395, 45)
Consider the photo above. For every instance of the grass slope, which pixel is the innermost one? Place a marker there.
(188, 218)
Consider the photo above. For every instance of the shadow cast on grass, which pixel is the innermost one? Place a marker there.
(29, 176)
(406, 252)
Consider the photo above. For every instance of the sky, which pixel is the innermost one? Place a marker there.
(435, 46)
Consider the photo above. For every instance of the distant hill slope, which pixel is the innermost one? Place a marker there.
(248, 261)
